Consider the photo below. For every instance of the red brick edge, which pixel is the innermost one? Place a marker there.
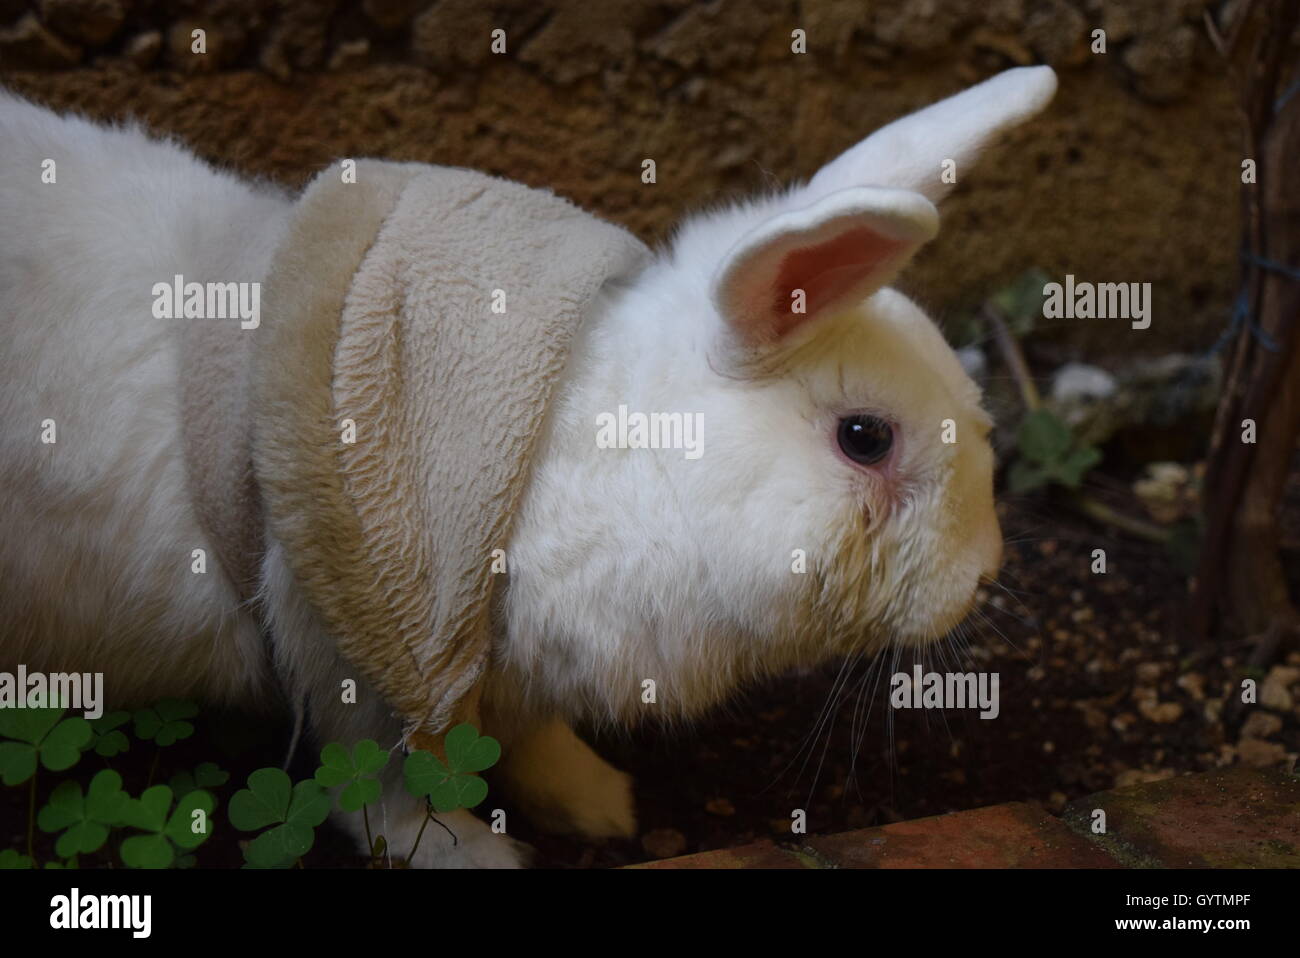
(1233, 818)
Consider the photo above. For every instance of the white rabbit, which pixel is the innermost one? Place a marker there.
(824, 438)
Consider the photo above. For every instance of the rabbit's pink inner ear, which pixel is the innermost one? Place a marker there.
(826, 272)
(802, 264)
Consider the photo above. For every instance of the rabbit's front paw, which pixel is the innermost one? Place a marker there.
(564, 786)
(605, 808)
(475, 846)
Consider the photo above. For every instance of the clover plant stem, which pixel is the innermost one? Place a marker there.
(153, 768)
(31, 816)
(418, 835)
(370, 842)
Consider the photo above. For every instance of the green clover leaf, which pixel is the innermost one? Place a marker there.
(294, 811)
(9, 858)
(149, 813)
(39, 735)
(61, 749)
(1043, 437)
(17, 762)
(279, 847)
(1076, 464)
(84, 820)
(423, 771)
(467, 751)
(356, 771)
(452, 785)
(70, 864)
(206, 775)
(459, 791)
(1049, 452)
(148, 851)
(166, 723)
(181, 827)
(310, 805)
(264, 802)
(28, 724)
(1023, 476)
(109, 740)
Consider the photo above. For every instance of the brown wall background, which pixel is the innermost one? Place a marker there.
(1133, 175)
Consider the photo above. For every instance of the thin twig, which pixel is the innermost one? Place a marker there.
(1013, 357)
(1216, 38)
(1130, 524)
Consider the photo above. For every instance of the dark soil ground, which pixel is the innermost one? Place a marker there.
(1097, 690)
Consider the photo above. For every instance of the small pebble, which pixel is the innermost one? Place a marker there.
(664, 843)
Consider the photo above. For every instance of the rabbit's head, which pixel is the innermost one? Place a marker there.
(828, 486)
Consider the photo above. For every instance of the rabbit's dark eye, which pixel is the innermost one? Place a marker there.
(865, 439)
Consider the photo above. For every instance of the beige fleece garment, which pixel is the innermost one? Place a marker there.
(378, 312)
(215, 361)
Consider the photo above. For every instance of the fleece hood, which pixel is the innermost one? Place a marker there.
(381, 420)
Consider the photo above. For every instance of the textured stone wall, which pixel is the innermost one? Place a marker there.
(1133, 175)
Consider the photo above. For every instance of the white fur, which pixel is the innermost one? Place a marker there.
(98, 527)
(626, 565)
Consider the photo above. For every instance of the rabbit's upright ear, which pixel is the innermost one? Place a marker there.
(803, 264)
(912, 153)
